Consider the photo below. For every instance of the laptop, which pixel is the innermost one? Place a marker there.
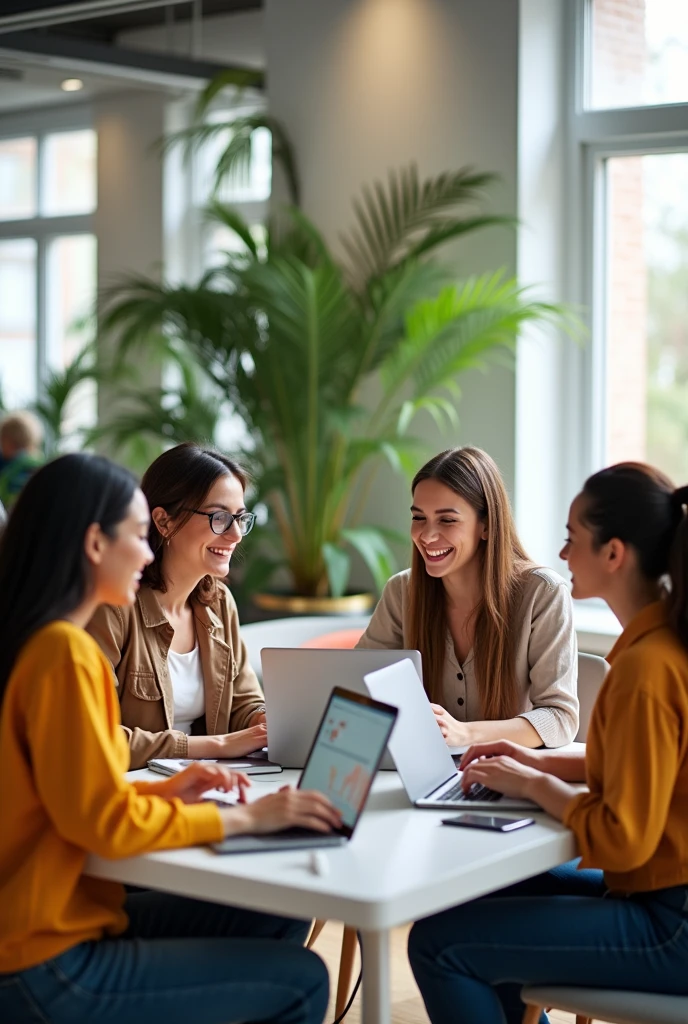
(423, 760)
(297, 682)
(344, 757)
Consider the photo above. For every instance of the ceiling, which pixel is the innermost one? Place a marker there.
(35, 58)
(105, 28)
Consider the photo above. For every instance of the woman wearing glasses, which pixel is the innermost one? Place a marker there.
(185, 686)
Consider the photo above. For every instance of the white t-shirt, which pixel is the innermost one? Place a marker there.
(186, 676)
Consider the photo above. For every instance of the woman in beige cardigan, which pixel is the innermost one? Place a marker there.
(185, 685)
(494, 630)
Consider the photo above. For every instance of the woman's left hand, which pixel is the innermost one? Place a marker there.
(190, 784)
(456, 734)
(258, 719)
(503, 774)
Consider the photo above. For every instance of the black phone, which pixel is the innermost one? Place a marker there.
(488, 821)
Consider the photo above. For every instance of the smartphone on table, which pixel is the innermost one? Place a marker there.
(488, 821)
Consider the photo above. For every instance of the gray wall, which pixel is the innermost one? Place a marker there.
(367, 85)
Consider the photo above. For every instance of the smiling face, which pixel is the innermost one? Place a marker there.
(445, 528)
(588, 565)
(118, 562)
(195, 550)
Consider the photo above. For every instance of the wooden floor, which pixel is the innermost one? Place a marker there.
(407, 1006)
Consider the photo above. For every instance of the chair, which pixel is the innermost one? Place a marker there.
(312, 631)
(591, 673)
(615, 1006)
(298, 631)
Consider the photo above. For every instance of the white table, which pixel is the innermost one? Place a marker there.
(400, 865)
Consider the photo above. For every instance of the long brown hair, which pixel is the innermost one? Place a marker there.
(177, 481)
(638, 505)
(474, 476)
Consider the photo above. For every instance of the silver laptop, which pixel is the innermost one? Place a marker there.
(298, 681)
(422, 758)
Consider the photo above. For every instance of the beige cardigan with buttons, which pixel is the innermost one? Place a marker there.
(546, 654)
(136, 639)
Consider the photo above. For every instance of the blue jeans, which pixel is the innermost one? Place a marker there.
(181, 961)
(556, 929)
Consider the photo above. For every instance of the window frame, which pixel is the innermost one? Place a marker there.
(43, 229)
(593, 135)
(186, 227)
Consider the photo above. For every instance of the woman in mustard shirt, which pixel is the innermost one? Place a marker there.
(627, 531)
(74, 948)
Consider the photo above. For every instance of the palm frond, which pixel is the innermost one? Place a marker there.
(230, 218)
(236, 79)
(461, 329)
(407, 216)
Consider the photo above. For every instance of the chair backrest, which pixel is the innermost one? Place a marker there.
(298, 631)
(591, 673)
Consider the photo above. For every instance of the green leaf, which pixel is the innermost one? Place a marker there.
(338, 564)
(373, 548)
(260, 569)
(409, 217)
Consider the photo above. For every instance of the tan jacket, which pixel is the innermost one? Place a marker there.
(136, 640)
(546, 654)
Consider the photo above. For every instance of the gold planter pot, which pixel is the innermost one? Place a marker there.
(293, 604)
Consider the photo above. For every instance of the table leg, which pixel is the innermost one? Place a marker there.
(377, 1002)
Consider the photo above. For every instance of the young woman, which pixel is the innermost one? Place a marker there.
(626, 531)
(186, 688)
(72, 949)
(495, 631)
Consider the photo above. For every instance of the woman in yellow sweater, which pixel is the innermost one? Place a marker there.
(627, 530)
(73, 948)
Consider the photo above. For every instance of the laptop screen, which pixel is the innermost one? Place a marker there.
(347, 751)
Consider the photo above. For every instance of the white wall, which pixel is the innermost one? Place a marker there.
(367, 85)
(541, 471)
(129, 219)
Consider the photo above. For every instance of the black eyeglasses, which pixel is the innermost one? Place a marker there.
(222, 521)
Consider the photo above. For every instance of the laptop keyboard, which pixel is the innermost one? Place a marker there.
(456, 795)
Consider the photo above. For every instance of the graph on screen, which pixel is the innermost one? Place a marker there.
(349, 744)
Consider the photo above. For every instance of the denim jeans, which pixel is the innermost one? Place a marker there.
(181, 961)
(556, 929)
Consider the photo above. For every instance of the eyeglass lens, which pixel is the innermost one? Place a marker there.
(222, 521)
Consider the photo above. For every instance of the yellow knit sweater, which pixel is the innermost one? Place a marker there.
(634, 821)
(63, 795)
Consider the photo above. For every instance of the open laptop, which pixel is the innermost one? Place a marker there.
(423, 760)
(297, 682)
(343, 760)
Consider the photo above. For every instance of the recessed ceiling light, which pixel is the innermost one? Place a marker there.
(72, 85)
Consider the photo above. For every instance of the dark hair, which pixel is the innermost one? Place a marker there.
(473, 475)
(180, 479)
(44, 572)
(639, 505)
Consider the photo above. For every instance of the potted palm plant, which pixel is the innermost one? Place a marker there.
(290, 335)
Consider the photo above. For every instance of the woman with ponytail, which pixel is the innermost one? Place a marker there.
(628, 544)
(494, 630)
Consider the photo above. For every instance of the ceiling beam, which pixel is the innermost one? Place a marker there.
(59, 15)
(141, 65)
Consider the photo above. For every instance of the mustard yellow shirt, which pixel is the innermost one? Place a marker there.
(634, 821)
(63, 795)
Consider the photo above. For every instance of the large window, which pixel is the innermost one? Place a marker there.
(629, 132)
(47, 263)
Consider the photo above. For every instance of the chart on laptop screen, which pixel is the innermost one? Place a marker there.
(345, 755)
